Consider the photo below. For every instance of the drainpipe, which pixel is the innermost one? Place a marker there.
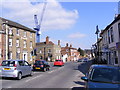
(6, 27)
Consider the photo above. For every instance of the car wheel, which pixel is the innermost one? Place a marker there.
(44, 69)
(19, 76)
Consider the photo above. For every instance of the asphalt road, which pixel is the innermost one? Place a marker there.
(67, 76)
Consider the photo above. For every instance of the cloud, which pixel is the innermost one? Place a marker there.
(55, 16)
(77, 35)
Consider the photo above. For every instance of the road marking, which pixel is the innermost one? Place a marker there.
(33, 78)
(9, 87)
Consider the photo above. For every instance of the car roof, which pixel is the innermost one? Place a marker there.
(13, 60)
(105, 66)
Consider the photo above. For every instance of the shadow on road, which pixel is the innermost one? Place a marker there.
(84, 67)
(78, 88)
(79, 82)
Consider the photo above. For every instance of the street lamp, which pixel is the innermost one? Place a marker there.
(97, 33)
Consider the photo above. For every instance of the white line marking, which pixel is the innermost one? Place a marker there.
(33, 78)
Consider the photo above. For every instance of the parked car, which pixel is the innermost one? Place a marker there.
(41, 65)
(85, 59)
(15, 68)
(79, 60)
(58, 63)
(102, 76)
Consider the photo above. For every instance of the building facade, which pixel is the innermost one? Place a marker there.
(48, 50)
(111, 42)
(19, 41)
(69, 53)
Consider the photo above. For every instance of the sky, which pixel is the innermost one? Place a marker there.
(70, 21)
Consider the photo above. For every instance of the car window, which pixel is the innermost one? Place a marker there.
(106, 75)
(21, 63)
(8, 63)
(39, 62)
(26, 63)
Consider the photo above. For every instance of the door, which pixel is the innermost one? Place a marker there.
(25, 56)
(27, 68)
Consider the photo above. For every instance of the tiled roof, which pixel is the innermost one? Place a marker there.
(14, 24)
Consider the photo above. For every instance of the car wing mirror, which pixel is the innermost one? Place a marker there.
(84, 78)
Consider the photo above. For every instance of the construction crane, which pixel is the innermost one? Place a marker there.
(38, 24)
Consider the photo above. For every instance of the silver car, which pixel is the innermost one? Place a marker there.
(15, 68)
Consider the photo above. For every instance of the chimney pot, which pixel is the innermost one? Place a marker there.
(47, 40)
(58, 42)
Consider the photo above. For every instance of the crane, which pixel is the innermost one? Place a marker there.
(38, 24)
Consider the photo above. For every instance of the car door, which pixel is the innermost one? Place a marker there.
(27, 68)
(21, 67)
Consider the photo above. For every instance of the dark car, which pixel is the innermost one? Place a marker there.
(102, 77)
(41, 65)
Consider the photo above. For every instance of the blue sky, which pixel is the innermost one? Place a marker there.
(71, 22)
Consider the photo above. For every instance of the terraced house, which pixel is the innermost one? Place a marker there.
(16, 41)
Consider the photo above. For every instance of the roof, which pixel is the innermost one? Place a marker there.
(105, 66)
(13, 60)
(114, 21)
(50, 43)
(14, 24)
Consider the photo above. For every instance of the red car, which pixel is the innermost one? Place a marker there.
(58, 63)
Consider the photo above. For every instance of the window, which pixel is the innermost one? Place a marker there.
(49, 50)
(25, 34)
(21, 63)
(25, 44)
(26, 63)
(17, 43)
(10, 31)
(30, 44)
(112, 36)
(30, 57)
(17, 31)
(115, 57)
(109, 36)
(17, 55)
(30, 35)
(119, 30)
(40, 51)
(10, 42)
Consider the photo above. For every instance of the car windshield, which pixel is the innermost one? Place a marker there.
(107, 75)
(39, 62)
(58, 60)
(8, 63)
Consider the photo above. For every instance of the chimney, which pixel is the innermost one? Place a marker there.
(47, 40)
(66, 44)
(59, 42)
(70, 45)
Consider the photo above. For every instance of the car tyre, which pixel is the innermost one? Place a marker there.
(19, 76)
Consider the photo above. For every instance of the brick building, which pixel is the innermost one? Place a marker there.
(17, 41)
(48, 50)
(69, 53)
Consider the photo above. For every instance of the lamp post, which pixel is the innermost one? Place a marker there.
(97, 33)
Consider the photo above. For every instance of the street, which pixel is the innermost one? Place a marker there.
(67, 76)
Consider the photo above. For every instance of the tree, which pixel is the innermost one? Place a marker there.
(81, 51)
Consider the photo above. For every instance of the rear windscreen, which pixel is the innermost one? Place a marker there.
(8, 63)
(39, 62)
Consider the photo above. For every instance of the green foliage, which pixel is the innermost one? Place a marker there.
(81, 51)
